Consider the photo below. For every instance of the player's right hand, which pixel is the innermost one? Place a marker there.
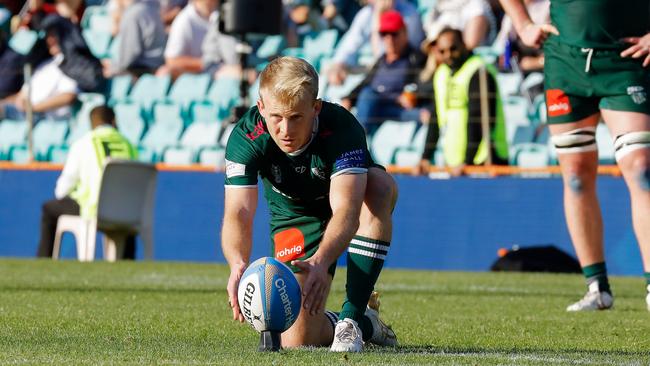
(534, 35)
(236, 271)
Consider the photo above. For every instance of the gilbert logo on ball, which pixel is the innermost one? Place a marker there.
(269, 295)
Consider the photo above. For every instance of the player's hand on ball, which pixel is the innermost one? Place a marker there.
(233, 283)
(534, 35)
(640, 47)
(315, 287)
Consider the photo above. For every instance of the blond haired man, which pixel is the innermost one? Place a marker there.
(325, 195)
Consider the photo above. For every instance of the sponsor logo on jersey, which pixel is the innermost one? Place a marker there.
(286, 302)
(289, 244)
(234, 169)
(318, 173)
(637, 93)
(300, 169)
(351, 159)
(557, 103)
(257, 131)
(276, 173)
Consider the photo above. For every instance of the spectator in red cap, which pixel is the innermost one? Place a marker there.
(376, 98)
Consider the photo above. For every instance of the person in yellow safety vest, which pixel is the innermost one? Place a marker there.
(457, 98)
(77, 189)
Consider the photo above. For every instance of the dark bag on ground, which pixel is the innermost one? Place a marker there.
(537, 259)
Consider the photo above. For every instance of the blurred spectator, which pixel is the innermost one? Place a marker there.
(376, 98)
(457, 95)
(219, 51)
(301, 19)
(473, 17)
(39, 9)
(364, 30)
(339, 13)
(77, 189)
(142, 38)
(169, 10)
(529, 59)
(183, 52)
(11, 62)
(52, 91)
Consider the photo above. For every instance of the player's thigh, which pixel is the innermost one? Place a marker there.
(631, 149)
(621, 122)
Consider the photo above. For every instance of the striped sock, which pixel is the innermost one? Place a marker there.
(332, 317)
(365, 261)
(597, 272)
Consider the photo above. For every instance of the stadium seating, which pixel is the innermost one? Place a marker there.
(147, 90)
(97, 18)
(98, 42)
(605, 143)
(198, 136)
(23, 40)
(120, 87)
(12, 133)
(157, 139)
(215, 157)
(48, 134)
(411, 155)
(188, 88)
(224, 93)
(334, 93)
(390, 136)
(129, 121)
(531, 155)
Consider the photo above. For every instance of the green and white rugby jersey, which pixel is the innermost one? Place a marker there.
(599, 23)
(298, 185)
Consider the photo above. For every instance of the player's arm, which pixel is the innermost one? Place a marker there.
(237, 236)
(346, 196)
(533, 35)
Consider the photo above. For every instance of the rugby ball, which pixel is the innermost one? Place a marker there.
(269, 295)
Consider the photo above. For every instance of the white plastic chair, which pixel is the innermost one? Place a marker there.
(125, 207)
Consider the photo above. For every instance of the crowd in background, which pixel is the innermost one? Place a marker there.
(174, 37)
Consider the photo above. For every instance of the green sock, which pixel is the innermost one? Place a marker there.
(647, 278)
(597, 272)
(365, 261)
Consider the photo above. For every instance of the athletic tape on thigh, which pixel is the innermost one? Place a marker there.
(628, 142)
(578, 140)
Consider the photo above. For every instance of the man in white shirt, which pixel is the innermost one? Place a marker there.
(77, 189)
(183, 51)
(52, 91)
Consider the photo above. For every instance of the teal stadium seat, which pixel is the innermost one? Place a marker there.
(97, 18)
(12, 133)
(509, 84)
(515, 110)
(605, 143)
(46, 135)
(215, 157)
(147, 90)
(271, 47)
(159, 136)
(178, 156)
(120, 87)
(59, 154)
(23, 40)
(204, 112)
(531, 155)
(98, 42)
(198, 136)
(319, 45)
(130, 122)
(168, 113)
(390, 136)
(224, 93)
(411, 155)
(188, 88)
(334, 93)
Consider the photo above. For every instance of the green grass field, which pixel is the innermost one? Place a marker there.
(177, 313)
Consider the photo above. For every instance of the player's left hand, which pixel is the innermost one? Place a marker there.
(640, 47)
(315, 287)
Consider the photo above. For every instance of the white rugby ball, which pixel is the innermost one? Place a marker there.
(269, 295)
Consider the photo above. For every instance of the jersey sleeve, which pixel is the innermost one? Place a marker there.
(242, 160)
(349, 150)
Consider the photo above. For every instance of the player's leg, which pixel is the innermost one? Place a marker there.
(309, 330)
(577, 153)
(365, 259)
(632, 144)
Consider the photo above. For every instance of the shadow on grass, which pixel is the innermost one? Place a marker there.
(96, 289)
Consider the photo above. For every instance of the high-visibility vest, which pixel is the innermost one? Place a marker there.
(452, 109)
(94, 148)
